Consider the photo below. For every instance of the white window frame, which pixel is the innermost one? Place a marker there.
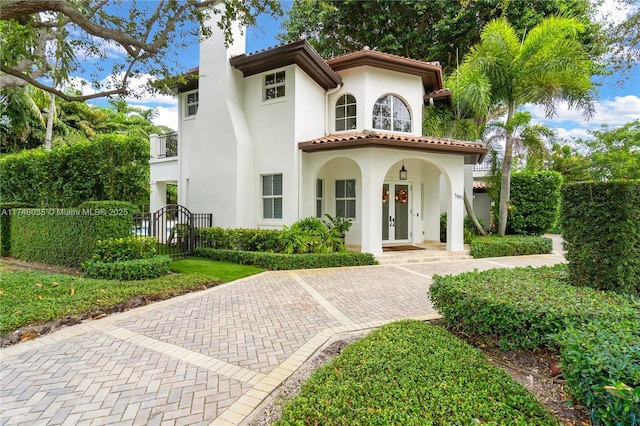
(346, 198)
(191, 103)
(276, 81)
(319, 198)
(271, 195)
(348, 100)
(393, 115)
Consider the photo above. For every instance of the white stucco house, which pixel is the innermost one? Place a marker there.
(268, 138)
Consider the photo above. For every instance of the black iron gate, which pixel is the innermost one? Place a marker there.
(174, 228)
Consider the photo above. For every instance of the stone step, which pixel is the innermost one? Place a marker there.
(397, 258)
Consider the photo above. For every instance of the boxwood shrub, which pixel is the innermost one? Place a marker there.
(125, 248)
(67, 237)
(412, 373)
(509, 245)
(280, 261)
(601, 366)
(523, 307)
(601, 230)
(5, 225)
(266, 240)
(127, 270)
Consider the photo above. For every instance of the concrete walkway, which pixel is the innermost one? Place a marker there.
(214, 356)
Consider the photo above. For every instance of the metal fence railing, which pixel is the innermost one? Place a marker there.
(173, 226)
(168, 145)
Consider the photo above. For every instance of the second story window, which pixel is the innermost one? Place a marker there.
(274, 85)
(391, 113)
(345, 113)
(192, 104)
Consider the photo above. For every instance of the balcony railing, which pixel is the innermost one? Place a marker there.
(168, 145)
(485, 166)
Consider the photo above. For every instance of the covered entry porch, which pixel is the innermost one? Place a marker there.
(393, 188)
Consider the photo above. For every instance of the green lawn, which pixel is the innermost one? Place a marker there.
(223, 271)
(30, 298)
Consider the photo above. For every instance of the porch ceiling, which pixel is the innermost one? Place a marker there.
(473, 152)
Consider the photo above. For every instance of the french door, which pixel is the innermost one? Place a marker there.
(395, 212)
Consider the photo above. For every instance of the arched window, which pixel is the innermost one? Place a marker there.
(391, 113)
(346, 113)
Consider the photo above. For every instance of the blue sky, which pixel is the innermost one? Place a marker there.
(617, 103)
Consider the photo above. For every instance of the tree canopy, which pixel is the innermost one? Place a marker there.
(428, 30)
(46, 42)
(547, 66)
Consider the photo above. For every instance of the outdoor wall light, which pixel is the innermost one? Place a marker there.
(403, 172)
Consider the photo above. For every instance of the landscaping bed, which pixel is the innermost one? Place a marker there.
(410, 372)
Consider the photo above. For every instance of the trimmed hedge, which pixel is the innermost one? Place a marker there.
(5, 226)
(509, 245)
(601, 229)
(67, 237)
(106, 168)
(126, 248)
(523, 307)
(128, 270)
(279, 261)
(265, 240)
(412, 373)
(601, 362)
(534, 202)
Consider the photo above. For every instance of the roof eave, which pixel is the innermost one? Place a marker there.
(300, 53)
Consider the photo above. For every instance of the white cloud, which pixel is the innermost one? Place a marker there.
(612, 112)
(167, 116)
(614, 11)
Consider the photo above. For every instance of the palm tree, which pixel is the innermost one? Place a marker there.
(502, 72)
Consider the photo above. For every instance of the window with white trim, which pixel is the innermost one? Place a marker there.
(346, 113)
(319, 191)
(272, 196)
(192, 104)
(346, 198)
(274, 85)
(391, 113)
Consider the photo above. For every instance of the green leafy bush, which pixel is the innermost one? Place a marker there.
(601, 365)
(66, 237)
(523, 307)
(281, 261)
(109, 167)
(5, 226)
(266, 240)
(309, 235)
(128, 270)
(534, 202)
(601, 230)
(469, 230)
(125, 248)
(412, 373)
(509, 245)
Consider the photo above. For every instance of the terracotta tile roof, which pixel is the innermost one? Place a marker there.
(369, 138)
(479, 184)
(386, 56)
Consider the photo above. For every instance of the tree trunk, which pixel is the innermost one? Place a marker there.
(472, 216)
(50, 115)
(505, 189)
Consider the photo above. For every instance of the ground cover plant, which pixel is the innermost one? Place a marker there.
(410, 372)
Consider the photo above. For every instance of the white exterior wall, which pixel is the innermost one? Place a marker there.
(368, 84)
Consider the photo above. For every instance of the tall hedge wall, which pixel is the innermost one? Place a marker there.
(601, 230)
(67, 237)
(535, 202)
(111, 167)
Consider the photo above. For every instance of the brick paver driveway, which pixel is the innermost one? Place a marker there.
(214, 356)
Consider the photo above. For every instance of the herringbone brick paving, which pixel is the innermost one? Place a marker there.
(211, 357)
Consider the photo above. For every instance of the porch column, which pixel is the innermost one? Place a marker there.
(158, 197)
(455, 211)
(371, 214)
